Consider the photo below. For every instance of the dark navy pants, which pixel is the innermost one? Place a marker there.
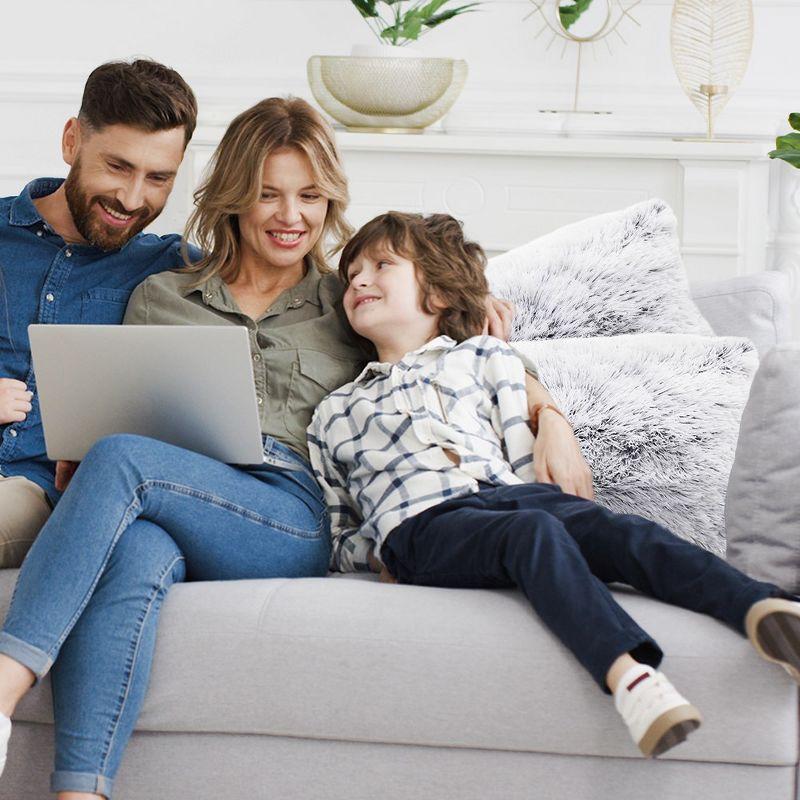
(562, 550)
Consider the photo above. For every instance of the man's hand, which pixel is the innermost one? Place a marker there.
(557, 458)
(499, 316)
(64, 472)
(15, 400)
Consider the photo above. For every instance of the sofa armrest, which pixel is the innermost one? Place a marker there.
(756, 306)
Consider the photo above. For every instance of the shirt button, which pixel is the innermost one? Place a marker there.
(12, 432)
(209, 295)
(256, 356)
(68, 253)
(260, 400)
(40, 233)
(49, 297)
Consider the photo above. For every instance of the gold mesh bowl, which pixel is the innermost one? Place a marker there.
(385, 93)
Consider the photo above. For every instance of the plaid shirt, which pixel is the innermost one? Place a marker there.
(377, 445)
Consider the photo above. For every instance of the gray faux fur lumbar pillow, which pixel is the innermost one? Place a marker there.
(657, 417)
(607, 275)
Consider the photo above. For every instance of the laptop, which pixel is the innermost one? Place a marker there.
(187, 385)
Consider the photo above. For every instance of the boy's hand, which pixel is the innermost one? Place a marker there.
(499, 316)
(64, 472)
(557, 458)
(376, 566)
(15, 400)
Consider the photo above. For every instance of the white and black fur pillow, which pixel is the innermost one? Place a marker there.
(608, 275)
(657, 418)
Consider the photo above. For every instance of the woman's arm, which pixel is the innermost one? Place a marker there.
(557, 457)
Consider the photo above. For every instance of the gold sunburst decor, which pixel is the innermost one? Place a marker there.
(711, 45)
(567, 20)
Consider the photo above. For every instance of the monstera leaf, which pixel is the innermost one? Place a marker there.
(711, 44)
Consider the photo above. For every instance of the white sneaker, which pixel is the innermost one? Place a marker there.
(657, 717)
(773, 627)
(5, 732)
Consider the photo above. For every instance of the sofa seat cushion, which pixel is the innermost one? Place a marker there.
(353, 659)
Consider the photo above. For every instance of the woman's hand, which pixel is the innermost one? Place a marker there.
(64, 472)
(15, 400)
(557, 457)
(499, 316)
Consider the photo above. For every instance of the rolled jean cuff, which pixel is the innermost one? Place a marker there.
(81, 782)
(36, 660)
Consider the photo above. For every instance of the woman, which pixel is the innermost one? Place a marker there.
(140, 515)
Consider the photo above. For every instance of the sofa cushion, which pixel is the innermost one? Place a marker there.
(762, 510)
(656, 416)
(357, 660)
(607, 275)
(757, 306)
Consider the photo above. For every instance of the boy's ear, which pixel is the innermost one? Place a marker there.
(437, 302)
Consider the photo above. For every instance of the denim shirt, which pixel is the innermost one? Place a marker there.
(45, 280)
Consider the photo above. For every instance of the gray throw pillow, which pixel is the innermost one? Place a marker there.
(763, 506)
(608, 275)
(657, 417)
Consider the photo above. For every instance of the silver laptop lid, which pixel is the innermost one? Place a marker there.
(188, 385)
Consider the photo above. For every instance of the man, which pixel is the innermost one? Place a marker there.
(71, 251)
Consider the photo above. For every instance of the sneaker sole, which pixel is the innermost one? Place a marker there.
(670, 729)
(773, 627)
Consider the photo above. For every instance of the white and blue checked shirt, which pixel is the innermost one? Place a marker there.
(377, 445)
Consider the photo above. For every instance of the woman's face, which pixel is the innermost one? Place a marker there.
(286, 222)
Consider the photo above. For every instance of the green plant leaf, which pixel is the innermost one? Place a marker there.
(366, 8)
(794, 121)
(791, 141)
(570, 14)
(789, 156)
(431, 8)
(438, 19)
(409, 27)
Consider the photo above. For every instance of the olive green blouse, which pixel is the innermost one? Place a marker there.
(302, 347)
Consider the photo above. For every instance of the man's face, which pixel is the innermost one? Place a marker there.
(120, 179)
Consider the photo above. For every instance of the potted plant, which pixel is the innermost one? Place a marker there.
(788, 145)
(388, 86)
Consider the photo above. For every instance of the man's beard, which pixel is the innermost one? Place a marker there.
(89, 224)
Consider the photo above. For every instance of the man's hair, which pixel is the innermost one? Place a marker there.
(143, 94)
(448, 266)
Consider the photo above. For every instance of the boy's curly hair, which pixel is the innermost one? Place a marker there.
(447, 265)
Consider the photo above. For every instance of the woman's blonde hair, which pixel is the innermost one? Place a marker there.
(233, 185)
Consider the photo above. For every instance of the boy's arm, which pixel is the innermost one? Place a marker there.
(557, 457)
(350, 551)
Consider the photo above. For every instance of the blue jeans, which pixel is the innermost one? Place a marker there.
(139, 516)
(561, 551)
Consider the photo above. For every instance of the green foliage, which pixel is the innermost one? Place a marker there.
(788, 146)
(408, 20)
(571, 13)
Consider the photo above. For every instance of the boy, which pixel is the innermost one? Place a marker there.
(426, 463)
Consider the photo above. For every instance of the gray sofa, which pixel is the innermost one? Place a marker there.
(346, 688)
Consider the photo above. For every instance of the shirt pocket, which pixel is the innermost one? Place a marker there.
(314, 375)
(101, 306)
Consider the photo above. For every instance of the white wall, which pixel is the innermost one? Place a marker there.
(237, 51)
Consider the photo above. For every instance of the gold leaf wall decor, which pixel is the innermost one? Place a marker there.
(711, 44)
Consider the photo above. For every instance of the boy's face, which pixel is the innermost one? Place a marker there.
(383, 298)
